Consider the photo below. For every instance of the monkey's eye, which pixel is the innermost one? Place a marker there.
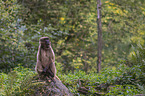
(46, 39)
(42, 40)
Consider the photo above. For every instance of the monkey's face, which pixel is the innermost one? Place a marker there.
(45, 43)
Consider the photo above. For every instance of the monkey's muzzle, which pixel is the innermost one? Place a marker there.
(47, 43)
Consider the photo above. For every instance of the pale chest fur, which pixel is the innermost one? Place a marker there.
(45, 57)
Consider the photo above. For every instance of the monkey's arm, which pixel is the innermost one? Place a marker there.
(38, 67)
(53, 68)
(52, 54)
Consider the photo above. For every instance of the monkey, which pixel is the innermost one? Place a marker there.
(46, 59)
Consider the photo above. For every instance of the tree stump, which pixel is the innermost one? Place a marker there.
(47, 87)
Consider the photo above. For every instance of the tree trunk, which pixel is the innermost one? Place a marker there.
(99, 35)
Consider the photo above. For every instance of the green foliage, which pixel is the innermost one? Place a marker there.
(120, 90)
(11, 32)
(73, 33)
(121, 28)
(121, 80)
(71, 26)
(137, 55)
(15, 81)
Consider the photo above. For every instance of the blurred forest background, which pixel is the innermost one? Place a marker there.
(72, 28)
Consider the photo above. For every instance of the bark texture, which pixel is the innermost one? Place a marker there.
(99, 35)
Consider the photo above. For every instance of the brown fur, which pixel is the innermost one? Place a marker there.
(45, 58)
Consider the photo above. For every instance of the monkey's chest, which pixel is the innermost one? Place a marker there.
(45, 58)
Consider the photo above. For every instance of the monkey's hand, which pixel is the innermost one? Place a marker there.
(45, 69)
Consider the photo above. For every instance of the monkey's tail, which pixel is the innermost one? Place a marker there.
(57, 78)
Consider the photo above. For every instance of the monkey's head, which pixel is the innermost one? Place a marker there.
(45, 43)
